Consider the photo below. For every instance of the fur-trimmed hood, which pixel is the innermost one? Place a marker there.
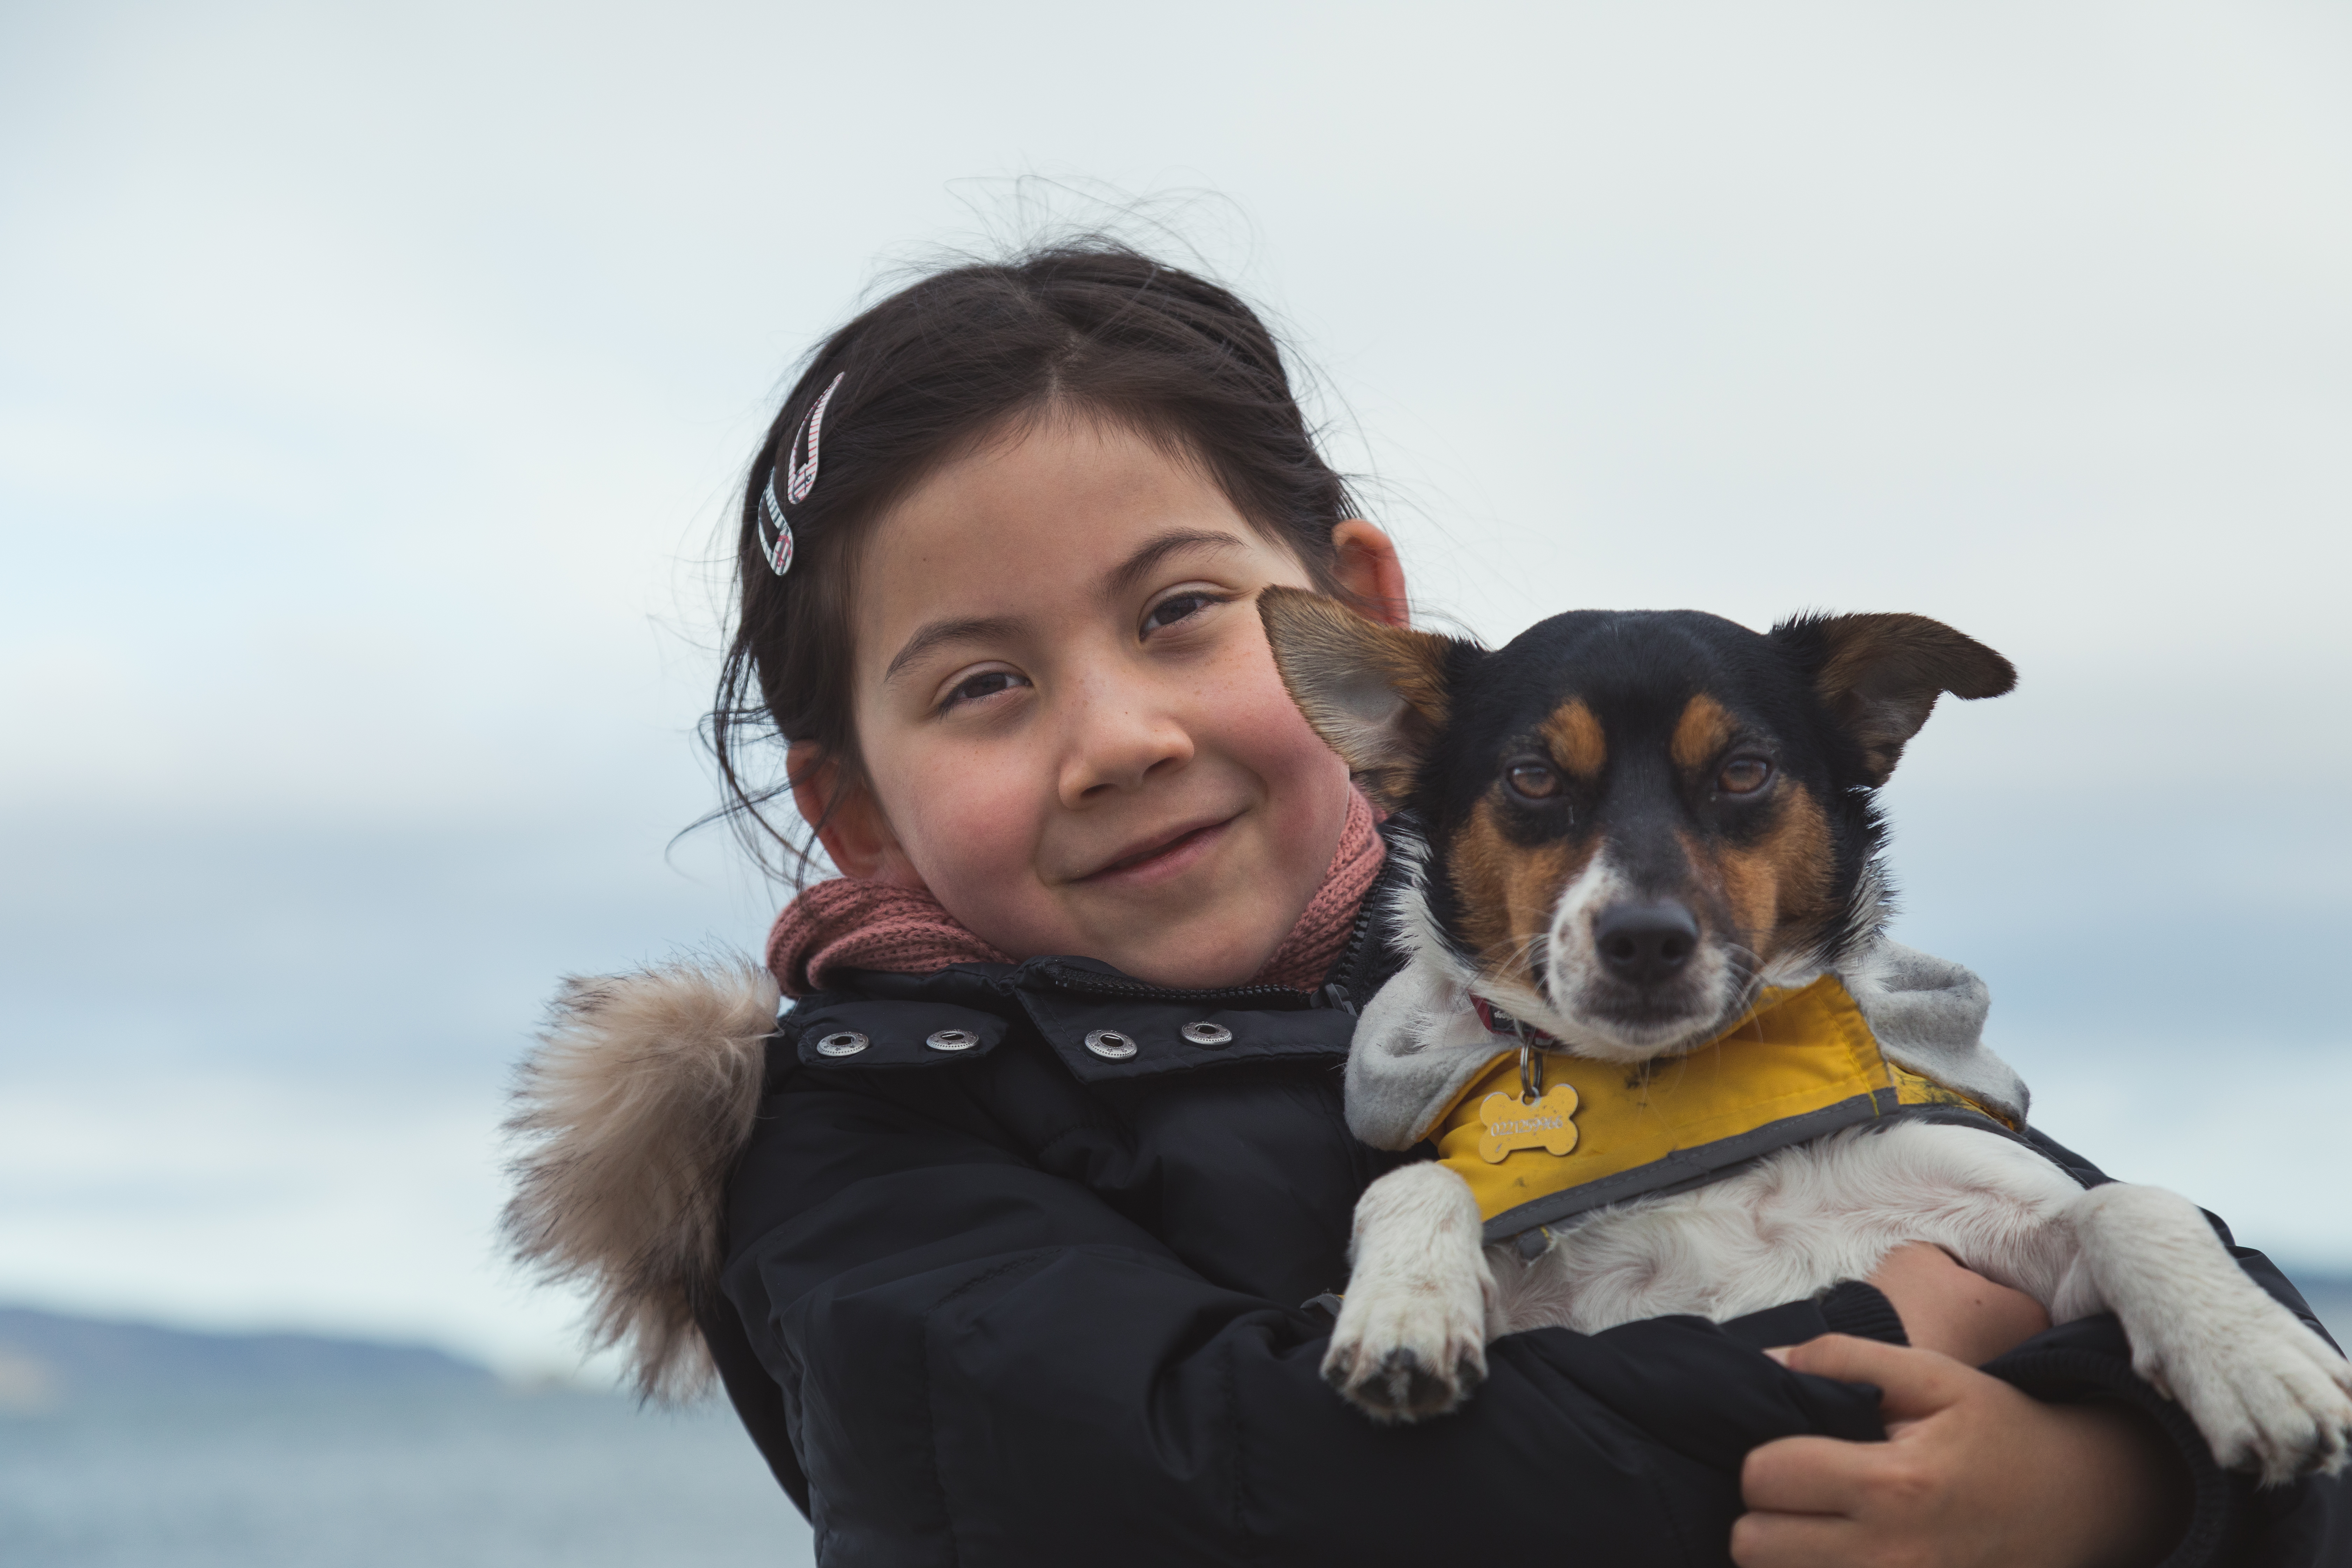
(629, 1113)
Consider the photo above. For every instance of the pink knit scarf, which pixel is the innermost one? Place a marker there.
(846, 923)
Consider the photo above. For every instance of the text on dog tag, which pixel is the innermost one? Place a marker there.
(1513, 1124)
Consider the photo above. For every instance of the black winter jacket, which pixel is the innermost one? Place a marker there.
(1038, 1301)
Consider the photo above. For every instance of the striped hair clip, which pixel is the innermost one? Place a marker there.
(799, 478)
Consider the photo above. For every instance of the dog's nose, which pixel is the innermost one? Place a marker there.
(1645, 943)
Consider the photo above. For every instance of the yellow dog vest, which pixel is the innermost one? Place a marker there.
(1800, 1063)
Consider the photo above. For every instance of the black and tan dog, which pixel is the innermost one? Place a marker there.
(1668, 1059)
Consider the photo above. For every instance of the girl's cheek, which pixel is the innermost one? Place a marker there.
(1263, 718)
(966, 817)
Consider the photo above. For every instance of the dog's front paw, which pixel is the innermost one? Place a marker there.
(1406, 1351)
(2267, 1392)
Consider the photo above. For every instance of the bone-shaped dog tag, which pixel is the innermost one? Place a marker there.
(1513, 1124)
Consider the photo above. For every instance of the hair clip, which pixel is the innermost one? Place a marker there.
(799, 479)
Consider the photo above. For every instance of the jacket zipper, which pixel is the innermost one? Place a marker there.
(1340, 991)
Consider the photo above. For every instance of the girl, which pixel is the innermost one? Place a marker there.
(1004, 1239)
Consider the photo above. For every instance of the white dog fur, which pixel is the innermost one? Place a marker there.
(1426, 1295)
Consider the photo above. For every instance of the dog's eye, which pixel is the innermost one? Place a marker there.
(1743, 775)
(1533, 780)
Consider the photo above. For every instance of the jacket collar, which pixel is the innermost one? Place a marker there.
(1104, 1025)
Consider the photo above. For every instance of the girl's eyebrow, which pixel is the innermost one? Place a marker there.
(1131, 571)
(970, 629)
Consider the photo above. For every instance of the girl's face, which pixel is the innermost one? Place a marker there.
(1073, 730)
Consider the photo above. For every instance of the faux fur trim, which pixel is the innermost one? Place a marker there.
(630, 1113)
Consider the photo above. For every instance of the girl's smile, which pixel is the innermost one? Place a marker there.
(1072, 732)
(1167, 856)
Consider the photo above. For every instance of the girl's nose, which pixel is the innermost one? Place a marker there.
(1117, 739)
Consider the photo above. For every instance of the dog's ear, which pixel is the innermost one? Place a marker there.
(1377, 695)
(1881, 675)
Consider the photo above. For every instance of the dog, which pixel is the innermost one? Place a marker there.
(1649, 868)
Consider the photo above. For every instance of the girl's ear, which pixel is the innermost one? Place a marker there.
(1369, 572)
(856, 834)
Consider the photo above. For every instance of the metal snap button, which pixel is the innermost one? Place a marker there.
(952, 1040)
(1111, 1045)
(847, 1043)
(1207, 1033)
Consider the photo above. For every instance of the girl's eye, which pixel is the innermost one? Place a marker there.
(987, 683)
(1744, 775)
(1174, 609)
(1532, 781)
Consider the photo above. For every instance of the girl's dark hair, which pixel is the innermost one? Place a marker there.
(1088, 327)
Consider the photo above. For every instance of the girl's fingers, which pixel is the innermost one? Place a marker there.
(1912, 1383)
(1977, 1473)
(1796, 1540)
(1808, 1475)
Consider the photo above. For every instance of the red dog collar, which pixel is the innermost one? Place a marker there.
(1498, 1022)
(1530, 1042)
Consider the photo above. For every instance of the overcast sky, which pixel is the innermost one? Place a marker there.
(373, 382)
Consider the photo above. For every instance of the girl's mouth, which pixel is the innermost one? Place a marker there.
(1161, 859)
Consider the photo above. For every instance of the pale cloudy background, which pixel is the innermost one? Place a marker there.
(372, 380)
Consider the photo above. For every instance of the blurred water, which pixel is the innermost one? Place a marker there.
(466, 1477)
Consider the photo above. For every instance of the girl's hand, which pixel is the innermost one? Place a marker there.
(1973, 1474)
(1948, 1307)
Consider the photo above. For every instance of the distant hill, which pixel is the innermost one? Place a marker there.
(49, 1360)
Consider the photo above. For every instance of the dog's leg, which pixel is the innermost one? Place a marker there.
(2266, 1392)
(1412, 1336)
